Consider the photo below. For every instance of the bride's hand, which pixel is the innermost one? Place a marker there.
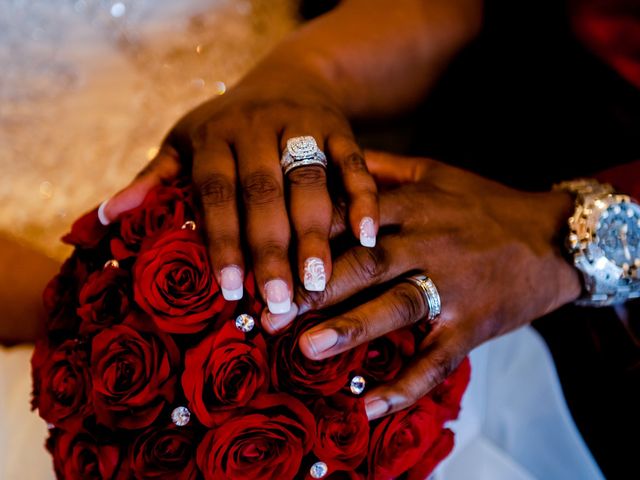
(234, 144)
(493, 253)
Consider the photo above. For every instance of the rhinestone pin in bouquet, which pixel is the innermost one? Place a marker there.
(147, 372)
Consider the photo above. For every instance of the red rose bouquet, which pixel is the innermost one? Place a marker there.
(147, 372)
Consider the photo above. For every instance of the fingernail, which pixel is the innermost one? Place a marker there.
(277, 322)
(231, 283)
(376, 408)
(315, 278)
(367, 232)
(323, 340)
(278, 298)
(101, 215)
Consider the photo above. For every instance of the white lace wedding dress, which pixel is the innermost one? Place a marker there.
(88, 88)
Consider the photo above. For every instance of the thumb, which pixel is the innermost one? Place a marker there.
(391, 170)
(163, 167)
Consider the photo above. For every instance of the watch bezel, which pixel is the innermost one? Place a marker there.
(583, 240)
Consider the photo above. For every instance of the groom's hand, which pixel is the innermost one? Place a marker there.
(492, 252)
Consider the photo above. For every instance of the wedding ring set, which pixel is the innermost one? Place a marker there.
(430, 292)
(301, 152)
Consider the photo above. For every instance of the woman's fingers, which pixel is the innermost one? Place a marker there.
(163, 167)
(359, 186)
(430, 368)
(267, 220)
(400, 306)
(310, 210)
(214, 174)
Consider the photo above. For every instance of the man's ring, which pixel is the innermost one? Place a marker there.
(430, 292)
(300, 152)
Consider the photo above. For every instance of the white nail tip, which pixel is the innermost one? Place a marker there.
(367, 241)
(232, 295)
(101, 215)
(231, 283)
(279, 307)
(315, 278)
(367, 232)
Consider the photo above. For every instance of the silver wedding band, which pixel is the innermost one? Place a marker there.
(430, 292)
(300, 152)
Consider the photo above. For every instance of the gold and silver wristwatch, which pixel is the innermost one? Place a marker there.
(604, 241)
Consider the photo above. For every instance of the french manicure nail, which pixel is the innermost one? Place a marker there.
(278, 298)
(376, 408)
(231, 283)
(315, 278)
(101, 215)
(367, 232)
(323, 340)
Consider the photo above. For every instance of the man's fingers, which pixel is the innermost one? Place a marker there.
(163, 167)
(268, 231)
(214, 175)
(434, 364)
(400, 306)
(393, 170)
(358, 269)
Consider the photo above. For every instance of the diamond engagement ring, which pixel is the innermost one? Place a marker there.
(300, 152)
(430, 292)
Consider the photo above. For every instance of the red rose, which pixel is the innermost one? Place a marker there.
(387, 354)
(104, 299)
(342, 432)
(61, 384)
(174, 284)
(60, 297)
(268, 442)
(223, 372)
(292, 372)
(402, 439)
(134, 368)
(166, 207)
(87, 231)
(448, 394)
(438, 452)
(165, 453)
(80, 455)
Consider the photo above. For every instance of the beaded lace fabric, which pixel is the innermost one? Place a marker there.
(89, 87)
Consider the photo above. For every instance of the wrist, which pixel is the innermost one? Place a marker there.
(553, 210)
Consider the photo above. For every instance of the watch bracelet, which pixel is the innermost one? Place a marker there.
(594, 293)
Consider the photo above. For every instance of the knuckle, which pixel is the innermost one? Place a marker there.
(354, 163)
(408, 303)
(219, 244)
(352, 330)
(369, 263)
(315, 233)
(215, 189)
(435, 371)
(261, 188)
(202, 133)
(308, 177)
(272, 250)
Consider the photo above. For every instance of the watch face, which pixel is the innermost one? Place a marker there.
(618, 233)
